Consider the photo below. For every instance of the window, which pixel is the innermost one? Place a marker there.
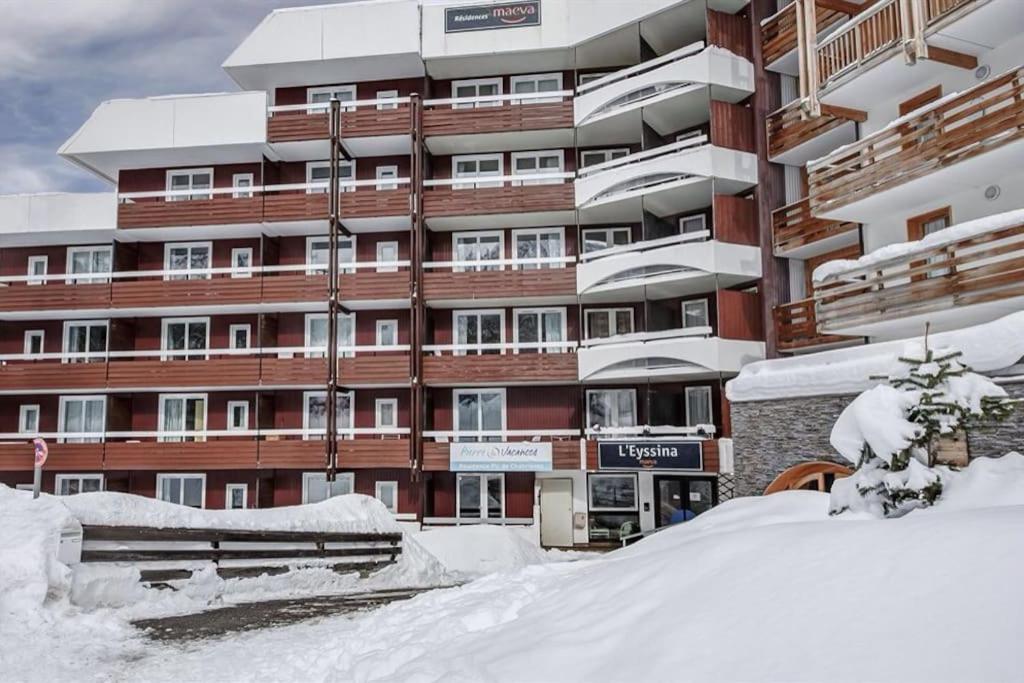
(589, 78)
(480, 496)
(538, 243)
(37, 266)
(90, 264)
(698, 406)
(190, 182)
(70, 484)
(536, 83)
(318, 249)
(316, 488)
(613, 506)
(387, 493)
(239, 335)
(241, 262)
(316, 334)
(324, 94)
(537, 325)
(85, 341)
(475, 329)
(387, 332)
(692, 224)
(474, 166)
(238, 416)
(478, 246)
(34, 342)
(185, 335)
(387, 95)
(538, 163)
(386, 173)
(608, 322)
(188, 257)
(385, 412)
(314, 414)
(595, 239)
(479, 87)
(242, 183)
(28, 419)
(695, 313)
(319, 173)
(236, 496)
(80, 415)
(593, 157)
(182, 489)
(611, 408)
(479, 410)
(919, 227)
(182, 413)
(387, 252)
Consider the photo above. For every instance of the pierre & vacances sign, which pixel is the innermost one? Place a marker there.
(650, 455)
(526, 456)
(486, 17)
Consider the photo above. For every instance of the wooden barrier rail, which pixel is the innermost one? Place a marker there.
(779, 31)
(796, 326)
(789, 127)
(793, 226)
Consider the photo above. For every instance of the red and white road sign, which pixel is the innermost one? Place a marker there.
(41, 451)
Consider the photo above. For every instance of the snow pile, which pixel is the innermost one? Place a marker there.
(483, 549)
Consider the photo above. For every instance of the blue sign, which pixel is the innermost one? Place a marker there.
(650, 455)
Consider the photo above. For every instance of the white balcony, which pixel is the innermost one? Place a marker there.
(663, 268)
(667, 180)
(668, 355)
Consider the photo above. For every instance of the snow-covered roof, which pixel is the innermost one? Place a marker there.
(986, 348)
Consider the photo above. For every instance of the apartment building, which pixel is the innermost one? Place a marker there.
(550, 260)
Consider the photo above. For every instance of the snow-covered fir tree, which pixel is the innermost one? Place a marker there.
(892, 432)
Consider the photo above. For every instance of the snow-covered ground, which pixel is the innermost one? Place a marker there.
(759, 589)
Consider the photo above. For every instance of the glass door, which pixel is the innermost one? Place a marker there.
(85, 337)
(540, 325)
(83, 415)
(183, 413)
(481, 496)
(187, 258)
(479, 410)
(478, 246)
(185, 335)
(474, 329)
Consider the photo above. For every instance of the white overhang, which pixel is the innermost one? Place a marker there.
(57, 218)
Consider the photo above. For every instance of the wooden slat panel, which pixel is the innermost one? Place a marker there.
(63, 457)
(789, 127)
(373, 453)
(732, 126)
(441, 285)
(92, 532)
(498, 119)
(370, 203)
(367, 284)
(142, 373)
(382, 368)
(293, 126)
(292, 454)
(793, 226)
(797, 327)
(778, 34)
(488, 369)
(292, 287)
(295, 206)
(52, 374)
(435, 456)
(565, 455)
(293, 371)
(157, 212)
(735, 219)
(211, 554)
(230, 454)
(731, 31)
(206, 292)
(54, 296)
(445, 201)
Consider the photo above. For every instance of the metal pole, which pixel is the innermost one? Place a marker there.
(417, 313)
(37, 480)
(333, 198)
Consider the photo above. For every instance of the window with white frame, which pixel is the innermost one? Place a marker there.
(242, 184)
(601, 323)
(70, 484)
(387, 252)
(698, 406)
(538, 243)
(593, 157)
(236, 496)
(318, 250)
(85, 341)
(479, 410)
(241, 262)
(385, 413)
(537, 326)
(583, 79)
(483, 246)
(89, 264)
(187, 260)
(190, 182)
(326, 93)
(182, 489)
(37, 267)
(182, 413)
(387, 95)
(538, 163)
(477, 87)
(474, 169)
(536, 83)
(316, 334)
(240, 336)
(314, 413)
(319, 172)
(613, 506)
(480, 496)
(316, 488)
(694, 223)
(596, 239)
(34, 342)
(28, 418)
(185, 336)
(387, 332)
(238, 416)
(80, 416)
(387, 493)
(611, 408)
(695, 313)
(387, 177)
(474, 330)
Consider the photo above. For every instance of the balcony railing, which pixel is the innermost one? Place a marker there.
(500, 363)
(790, 127)
(485, 195)
(793, 227)
(953, 129)
(498, 113)
(361, 118)
(779, 31)
(500, 278)
(796, 327)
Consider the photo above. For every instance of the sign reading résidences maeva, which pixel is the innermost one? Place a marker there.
(485, 17)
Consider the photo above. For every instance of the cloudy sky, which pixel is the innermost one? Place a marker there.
(61, 58)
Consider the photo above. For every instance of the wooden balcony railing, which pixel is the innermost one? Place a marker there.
(63, 457)
(789, 127)
(366, 118)
(445, 200)
(500, 368)
(53, 295)
(439, 285)
(796, 326)
(503, 117)
(793, 227)
(943, 274)
(779, 31)
(985, 117)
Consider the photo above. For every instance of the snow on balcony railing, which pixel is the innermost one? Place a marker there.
(479, 182)
(647, 245)
(482, 101)
(643, 337)
(500, 348)
(687, 144)
(642, 68)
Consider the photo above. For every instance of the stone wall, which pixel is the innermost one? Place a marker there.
(1000, 438)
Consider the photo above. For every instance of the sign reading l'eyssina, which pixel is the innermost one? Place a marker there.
(650, 455)
(484, 17)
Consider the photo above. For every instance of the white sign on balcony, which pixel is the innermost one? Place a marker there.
(524, 456)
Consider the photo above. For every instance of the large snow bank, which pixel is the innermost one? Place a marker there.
(987, 348)
(478, 550)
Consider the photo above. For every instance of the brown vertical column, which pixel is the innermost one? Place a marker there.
(333, 199)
